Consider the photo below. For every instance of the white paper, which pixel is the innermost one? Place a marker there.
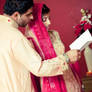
(82, 41)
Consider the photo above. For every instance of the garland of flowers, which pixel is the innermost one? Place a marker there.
(85, 23)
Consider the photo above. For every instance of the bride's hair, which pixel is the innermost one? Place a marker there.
(45, 9)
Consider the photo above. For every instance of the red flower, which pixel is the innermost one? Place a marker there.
(78, 29)
(78, 26)
(87, 26)
(83, 22)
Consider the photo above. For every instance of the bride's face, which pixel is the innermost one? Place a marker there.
(46, 20)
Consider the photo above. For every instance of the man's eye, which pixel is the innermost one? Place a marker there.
(29, 14)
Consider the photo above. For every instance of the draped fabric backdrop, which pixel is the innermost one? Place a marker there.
(64, 15)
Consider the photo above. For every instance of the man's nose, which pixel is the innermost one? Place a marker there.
(31, 17)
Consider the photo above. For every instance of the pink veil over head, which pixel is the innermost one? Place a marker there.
(49, 84)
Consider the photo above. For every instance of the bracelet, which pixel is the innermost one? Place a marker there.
(66, 57)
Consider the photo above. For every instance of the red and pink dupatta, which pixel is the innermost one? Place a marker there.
(50, 84)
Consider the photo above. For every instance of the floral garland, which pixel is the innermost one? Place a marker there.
(85, 23)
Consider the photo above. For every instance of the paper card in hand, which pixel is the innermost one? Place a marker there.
(82, 41)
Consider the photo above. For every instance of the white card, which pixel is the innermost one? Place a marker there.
(82, 41)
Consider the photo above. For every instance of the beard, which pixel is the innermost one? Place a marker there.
(23, 24)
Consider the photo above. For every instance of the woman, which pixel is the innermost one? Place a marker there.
(48, 45)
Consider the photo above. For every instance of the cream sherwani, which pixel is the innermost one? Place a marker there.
(18, 58)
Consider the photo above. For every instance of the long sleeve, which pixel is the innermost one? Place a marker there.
(26, 55)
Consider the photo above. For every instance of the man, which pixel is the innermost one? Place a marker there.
(17, 55)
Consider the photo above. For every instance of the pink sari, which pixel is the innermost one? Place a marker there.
(49, 84)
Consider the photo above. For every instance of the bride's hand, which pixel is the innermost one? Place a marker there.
(74, 55)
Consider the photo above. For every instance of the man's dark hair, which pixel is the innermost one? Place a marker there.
(45, 9)
(20, 6)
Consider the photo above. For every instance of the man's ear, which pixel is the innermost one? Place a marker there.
(15, 16)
